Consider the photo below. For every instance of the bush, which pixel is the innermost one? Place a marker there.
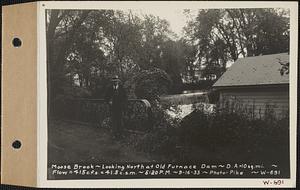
(160, 141)
(221, 135)
(253, 138)
(150, 84)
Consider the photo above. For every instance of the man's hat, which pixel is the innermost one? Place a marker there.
(115, 78)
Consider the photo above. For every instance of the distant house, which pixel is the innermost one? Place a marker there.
(255, 84)
(196, 76)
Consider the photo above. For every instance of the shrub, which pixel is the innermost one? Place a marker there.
(233, 135)
(150, 84)
(255, 138)
(160, 141)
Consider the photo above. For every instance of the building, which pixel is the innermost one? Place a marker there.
(196, 76)
(256, 85)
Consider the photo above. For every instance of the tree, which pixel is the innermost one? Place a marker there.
(61, 28)
(152, 83)
(88, 46)
(223, 35)
(173, 61)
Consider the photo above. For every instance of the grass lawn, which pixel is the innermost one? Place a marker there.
(70, 142)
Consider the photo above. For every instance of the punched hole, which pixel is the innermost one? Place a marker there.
(17, 42)
(16, 144)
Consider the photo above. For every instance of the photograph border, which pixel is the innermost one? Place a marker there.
(148, 183)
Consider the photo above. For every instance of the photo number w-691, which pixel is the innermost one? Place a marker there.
(273, 182)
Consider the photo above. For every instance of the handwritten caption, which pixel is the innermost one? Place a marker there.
(162, 170)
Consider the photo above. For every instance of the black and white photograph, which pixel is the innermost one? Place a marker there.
(168, 93)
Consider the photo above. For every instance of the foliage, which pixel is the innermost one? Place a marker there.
(223, 35)
(254, 138)
(285, 67)
(92, 45)
(150, 84)
(86, 47)
(160, 141)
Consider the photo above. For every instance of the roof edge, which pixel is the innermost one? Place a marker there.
(251, 86)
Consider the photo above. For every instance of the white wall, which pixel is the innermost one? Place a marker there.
(256, 101)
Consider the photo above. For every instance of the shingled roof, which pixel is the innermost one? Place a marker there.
(257, 70)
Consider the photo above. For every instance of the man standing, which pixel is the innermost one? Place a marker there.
(117, 99)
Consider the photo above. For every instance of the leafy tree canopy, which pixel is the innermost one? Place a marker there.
(223, 35)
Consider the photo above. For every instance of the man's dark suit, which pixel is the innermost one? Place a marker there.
(118, 99)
